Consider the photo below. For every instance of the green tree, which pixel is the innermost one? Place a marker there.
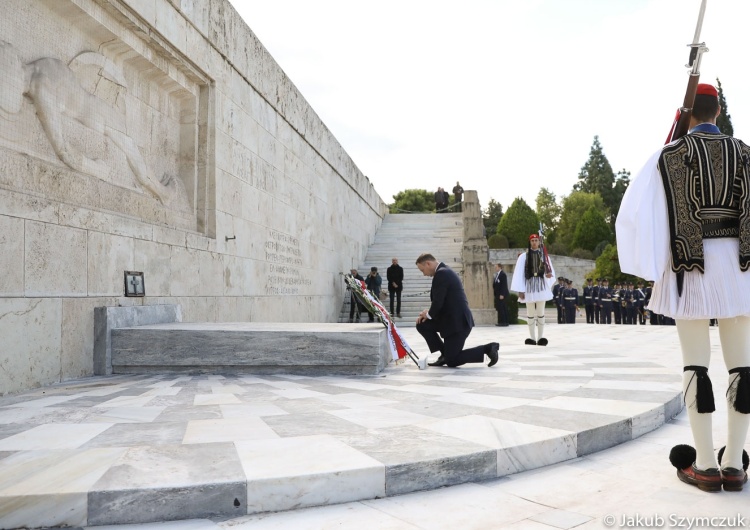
(724, 121)
(596, 176)
(574, 206)
(518, 223)
(491, 217)
(607, 265)
(591, 230)
(621, 185)
(413, 201)
(548, 211)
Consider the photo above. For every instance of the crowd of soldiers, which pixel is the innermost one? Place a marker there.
(628, 303)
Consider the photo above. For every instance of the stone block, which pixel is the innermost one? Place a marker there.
(109, 256)
(155, 261)
(250, 347)
(30, 331)
(55, 261)
(107, 319)
(11, 256)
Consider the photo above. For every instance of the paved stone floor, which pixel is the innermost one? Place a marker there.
(65, 447)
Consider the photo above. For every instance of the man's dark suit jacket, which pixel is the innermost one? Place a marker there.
(500, 287)
(449, 308)
(395, 273)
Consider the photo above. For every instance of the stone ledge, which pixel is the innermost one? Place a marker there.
(248, 347)
(107, 319)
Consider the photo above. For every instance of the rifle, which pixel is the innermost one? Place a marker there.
(697, 49)
(547, 265)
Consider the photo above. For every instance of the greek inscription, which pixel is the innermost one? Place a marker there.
(284, 257)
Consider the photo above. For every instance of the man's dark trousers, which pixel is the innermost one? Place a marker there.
(502, 312)
(397, 294)
(451, 347)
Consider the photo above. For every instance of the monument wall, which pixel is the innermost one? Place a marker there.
(159, 136)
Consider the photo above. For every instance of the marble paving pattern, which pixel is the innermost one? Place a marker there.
(138, 449)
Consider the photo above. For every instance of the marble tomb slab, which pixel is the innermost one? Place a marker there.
(249, 347)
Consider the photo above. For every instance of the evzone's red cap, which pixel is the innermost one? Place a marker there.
(533, 236)
(704, 89)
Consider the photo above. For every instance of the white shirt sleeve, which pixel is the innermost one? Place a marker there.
(642, 225)
(518, 283)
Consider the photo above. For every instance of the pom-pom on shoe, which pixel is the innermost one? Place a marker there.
(732, 478)
(682, 456)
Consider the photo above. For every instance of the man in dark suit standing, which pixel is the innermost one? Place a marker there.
(449, 316)
(500, 289)
(395, 276)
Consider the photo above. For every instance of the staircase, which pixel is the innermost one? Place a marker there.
(406, 236)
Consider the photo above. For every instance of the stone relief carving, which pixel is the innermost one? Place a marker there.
(57, 95)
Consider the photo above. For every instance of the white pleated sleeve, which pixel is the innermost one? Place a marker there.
(642, 225)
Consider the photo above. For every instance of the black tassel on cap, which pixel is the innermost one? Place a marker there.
(740, 393)
(704, 390)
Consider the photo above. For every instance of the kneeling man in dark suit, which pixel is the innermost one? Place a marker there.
(449, 316)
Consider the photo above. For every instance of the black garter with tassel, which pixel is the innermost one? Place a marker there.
(739, 394)
(704, 391)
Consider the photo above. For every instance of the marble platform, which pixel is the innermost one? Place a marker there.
(139, 448)
(250, 348)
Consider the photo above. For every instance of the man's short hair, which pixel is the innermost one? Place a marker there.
(425, 257)
(705, 107)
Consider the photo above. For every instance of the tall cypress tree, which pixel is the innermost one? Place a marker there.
(724, 121)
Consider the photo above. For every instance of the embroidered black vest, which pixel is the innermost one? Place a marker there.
(534, 271)
(705, 177)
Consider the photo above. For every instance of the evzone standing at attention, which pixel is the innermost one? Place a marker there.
(684, 223)
(532, 280)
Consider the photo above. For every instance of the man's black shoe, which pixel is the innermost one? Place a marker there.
(493, 353)
(542, 342)
(440, 362)
(530, 342)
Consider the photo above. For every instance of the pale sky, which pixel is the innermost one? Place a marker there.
(504, 96)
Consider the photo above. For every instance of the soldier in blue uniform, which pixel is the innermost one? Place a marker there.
(629, 304)
(616, 307)
(557, 290)
(639, 300)
(570, 296)
(595, 297)
(588, 300)
(605, 299)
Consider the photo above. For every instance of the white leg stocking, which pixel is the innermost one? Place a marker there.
(531, 319)
(735, 343)
(540, 319)
(696, 351)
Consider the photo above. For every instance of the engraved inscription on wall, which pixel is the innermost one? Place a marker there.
(284, 256)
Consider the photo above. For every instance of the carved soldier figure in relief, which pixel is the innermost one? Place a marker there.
(56, 95)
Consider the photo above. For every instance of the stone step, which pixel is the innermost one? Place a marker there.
(249, 347)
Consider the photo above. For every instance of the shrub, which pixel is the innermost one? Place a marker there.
(582, 253)
(497, 241)
(512, 303)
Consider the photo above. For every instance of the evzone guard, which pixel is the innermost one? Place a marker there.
(684, 223)
(531, 280)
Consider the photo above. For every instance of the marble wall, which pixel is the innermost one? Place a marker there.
(159, 136)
